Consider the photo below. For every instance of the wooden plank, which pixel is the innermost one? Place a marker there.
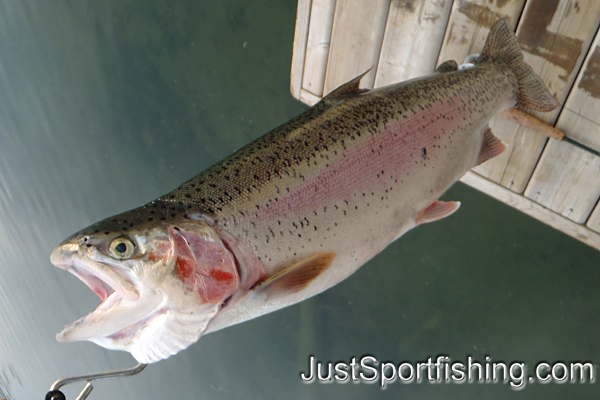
(594, 221)
(567, 178)
(469, 24)
(522, 203)
(317, 47)
(567, 181)
(581, 127)
(413, 35)
(299, 47)
(554, 36)
(356, 38)
(308, 98)
(581, 115)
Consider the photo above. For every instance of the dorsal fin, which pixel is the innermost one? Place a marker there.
(297, 277)
(447, 66)
(347, 89)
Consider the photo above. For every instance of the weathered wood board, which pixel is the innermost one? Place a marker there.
(317, 47)
(520, 202)
(555, 36)
(583, 125)
(299, 50)
(567, 178)
(358, 28)
(469, 24)
(581, 114)
(413, 35)
(594, 221)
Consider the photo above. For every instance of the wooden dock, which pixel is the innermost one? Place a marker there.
(554, 181)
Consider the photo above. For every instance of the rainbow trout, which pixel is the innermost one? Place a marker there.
(297, 210)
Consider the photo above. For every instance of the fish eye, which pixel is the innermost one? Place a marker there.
(121, 248)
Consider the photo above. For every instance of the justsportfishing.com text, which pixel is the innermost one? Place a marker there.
(442, 369)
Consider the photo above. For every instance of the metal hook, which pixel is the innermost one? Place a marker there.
(55, 394)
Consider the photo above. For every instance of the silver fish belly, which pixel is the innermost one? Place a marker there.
(296, 211)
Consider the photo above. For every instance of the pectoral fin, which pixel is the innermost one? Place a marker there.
(297, 277)
(437, 210)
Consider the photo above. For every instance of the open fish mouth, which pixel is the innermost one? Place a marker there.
(151, 320)
(122, 307)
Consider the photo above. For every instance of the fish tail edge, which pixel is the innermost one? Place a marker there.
(501, 44)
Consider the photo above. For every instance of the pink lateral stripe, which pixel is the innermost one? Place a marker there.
(398, 150)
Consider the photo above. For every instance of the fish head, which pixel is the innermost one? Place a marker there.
(161, 273)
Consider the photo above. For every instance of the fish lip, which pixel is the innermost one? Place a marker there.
(102, 278)
(119, 295)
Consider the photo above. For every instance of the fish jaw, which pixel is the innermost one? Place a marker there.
(123, 303)
(145, 309)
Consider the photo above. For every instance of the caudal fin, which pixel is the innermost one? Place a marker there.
(501, 45)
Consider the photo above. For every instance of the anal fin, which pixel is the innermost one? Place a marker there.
(490, 147)
(437, 210)
(295, 278)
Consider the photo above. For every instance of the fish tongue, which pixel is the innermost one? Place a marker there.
(114, 316)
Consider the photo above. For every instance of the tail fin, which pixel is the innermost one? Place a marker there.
(501, 44)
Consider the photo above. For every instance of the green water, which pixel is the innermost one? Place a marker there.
(107, 105)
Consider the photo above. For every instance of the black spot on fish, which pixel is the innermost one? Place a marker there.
(424, 153)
